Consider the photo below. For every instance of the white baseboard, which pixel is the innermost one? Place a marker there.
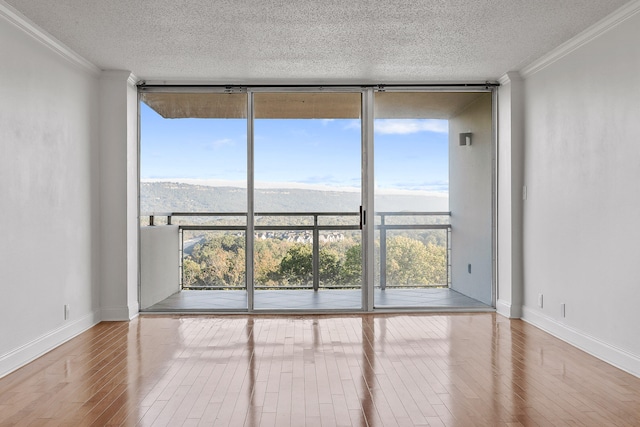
(507, 310)
(30, 351)
(617, 357)
(503, 308)
(116, 314)
(134, 310)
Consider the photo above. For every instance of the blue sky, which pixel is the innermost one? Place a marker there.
(410, 154)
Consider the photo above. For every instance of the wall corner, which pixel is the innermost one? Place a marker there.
(118, 194)
(510, 195)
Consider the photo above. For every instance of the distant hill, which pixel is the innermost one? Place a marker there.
(179, 197)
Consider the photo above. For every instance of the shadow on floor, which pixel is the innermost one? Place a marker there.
(324, 299)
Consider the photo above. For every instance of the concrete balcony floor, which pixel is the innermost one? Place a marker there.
(324, 299)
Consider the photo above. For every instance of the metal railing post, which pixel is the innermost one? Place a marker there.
(316, 254)
(181, 257)
(448, 252)
(383, 254)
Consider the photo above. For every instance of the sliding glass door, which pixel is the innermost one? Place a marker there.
(193, 185)
(433, 199)
(274, 199)
(307, 194)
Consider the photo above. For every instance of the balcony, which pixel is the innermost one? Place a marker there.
(302, 261)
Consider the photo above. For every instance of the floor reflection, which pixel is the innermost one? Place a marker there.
(368, 371)
(363, 370)
(251, 361)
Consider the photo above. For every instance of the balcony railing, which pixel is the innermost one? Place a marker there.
(308, 230)
(384, 227)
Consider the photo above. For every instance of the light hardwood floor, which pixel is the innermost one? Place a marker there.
(357, 370)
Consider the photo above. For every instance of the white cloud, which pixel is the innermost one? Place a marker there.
(380, 190)
(353, 124)
(407, 126)
(327, 121)
(218, 143)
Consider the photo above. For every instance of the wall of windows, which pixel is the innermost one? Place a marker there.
(318, 199)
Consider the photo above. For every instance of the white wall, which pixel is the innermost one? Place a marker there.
(118, 195)
(133, 206)
(159, 263)
(49, 251)
(470, 201)
(510, 178)
(582, 214)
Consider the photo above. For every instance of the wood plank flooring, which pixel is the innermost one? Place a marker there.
(357, 370)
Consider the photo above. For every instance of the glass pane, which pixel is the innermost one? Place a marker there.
(193, 164)
(193, 172)
(411, 146)
(433, 199)
(307, 197)
(307, 152)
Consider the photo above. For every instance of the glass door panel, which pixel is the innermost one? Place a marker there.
(411, 146)
(432, 172)
(193, 175)
(307, 175)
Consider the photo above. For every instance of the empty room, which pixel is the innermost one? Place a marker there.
(320, 213)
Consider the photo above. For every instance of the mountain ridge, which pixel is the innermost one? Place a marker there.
(167, 196)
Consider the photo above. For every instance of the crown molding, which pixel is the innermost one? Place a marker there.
(133, 80)
(124, 76)
(510, 77)
(14, 17)
(120, 75)
(591, 33)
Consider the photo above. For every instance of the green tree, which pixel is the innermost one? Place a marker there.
(406, 261)
(410, 262)
(268, 255)
(297, 267)
(436, 264)
(218, 261)
(190, 273)
(352, 266)
(330, 268)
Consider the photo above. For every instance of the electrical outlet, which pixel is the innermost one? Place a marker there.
(540, 300)
(563, 312)
(66, 312)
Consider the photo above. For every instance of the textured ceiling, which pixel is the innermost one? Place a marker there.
(314, 41)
